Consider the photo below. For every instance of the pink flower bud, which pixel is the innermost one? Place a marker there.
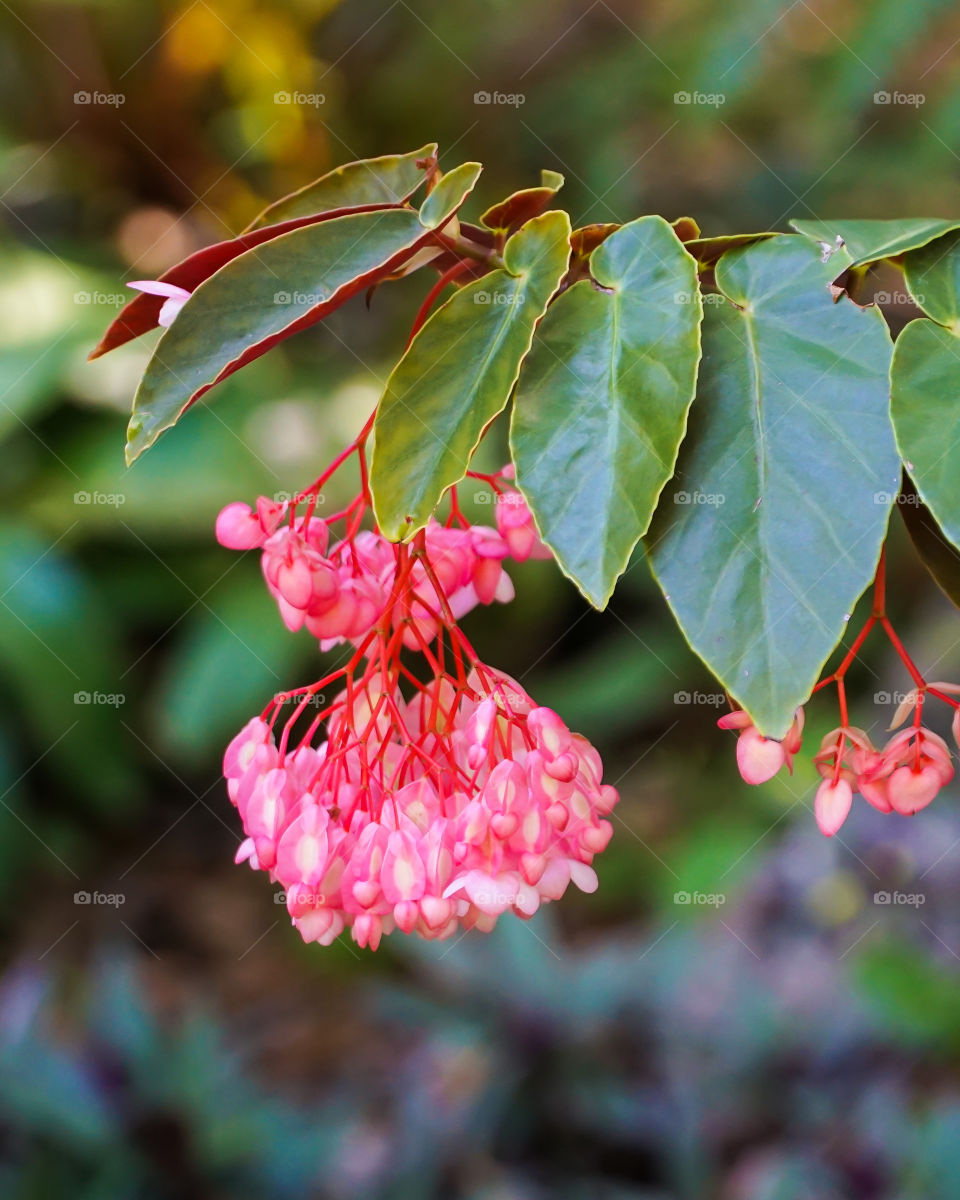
(832, 804)
(758, 758)
(238, 529)
(910, 790)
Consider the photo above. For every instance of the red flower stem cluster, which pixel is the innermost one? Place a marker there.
(903, 776)
(440, 795)
(878, 616)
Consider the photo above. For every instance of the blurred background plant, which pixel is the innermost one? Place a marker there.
(743, 1010)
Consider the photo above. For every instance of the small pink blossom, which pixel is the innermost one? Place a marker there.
(832, 804)
(759, 758)
(176, 297)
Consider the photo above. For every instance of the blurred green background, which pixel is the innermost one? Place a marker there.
(796, 1037)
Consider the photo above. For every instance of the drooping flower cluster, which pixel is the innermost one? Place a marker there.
(427, 815)
(339, 592)
(903, 776)
(426, 804)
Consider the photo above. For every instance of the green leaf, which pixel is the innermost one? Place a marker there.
(932, 276)
(773, 527)
(925, 402)
(449, 193)
(936, 553)
(263, 296)
(390, 179)
(870, 240)
(601, 406)
(457, 375)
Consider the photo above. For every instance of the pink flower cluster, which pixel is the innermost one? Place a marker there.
(903, 777)
(426, 815)
(339, 593)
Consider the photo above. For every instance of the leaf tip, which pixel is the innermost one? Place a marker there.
(136, 440)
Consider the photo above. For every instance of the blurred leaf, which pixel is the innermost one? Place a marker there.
(69, 688)
(601, 405)
(915, 998)
(233, 655)
(47, 312)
